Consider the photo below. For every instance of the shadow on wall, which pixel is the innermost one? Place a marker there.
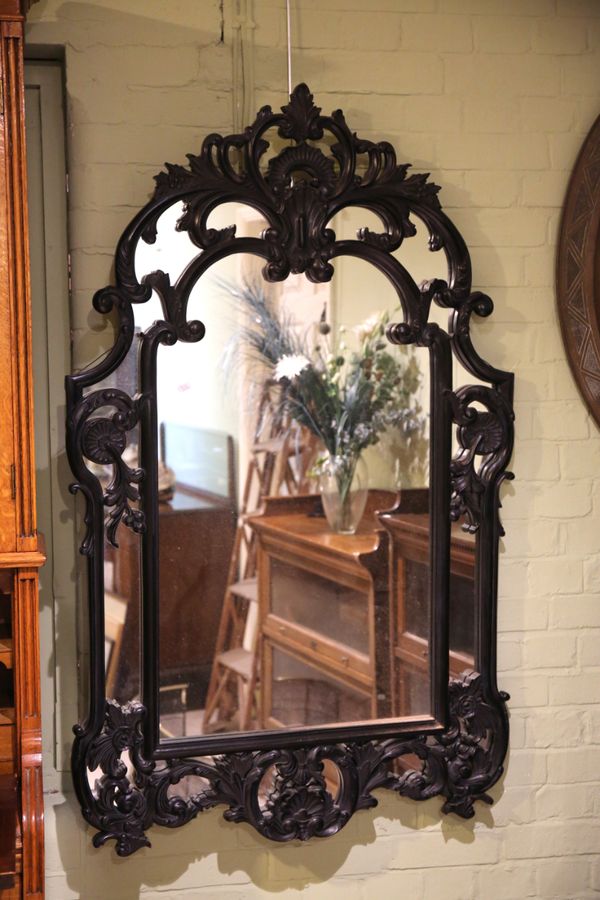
(210, 852)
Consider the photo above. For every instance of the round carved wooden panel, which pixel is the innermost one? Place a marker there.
(578, 288)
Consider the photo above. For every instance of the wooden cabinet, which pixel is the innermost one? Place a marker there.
(324, 616)
(410, 612)
(195, 543)
(21, 800)
(345, 620)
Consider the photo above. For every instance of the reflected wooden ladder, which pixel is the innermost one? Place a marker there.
(278, 465)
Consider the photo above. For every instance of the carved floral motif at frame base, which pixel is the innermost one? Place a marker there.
(298, 191)
(460, 766)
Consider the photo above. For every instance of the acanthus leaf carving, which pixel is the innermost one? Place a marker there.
(485, 441)
(461, 765)
(102, 440)
(301, 119)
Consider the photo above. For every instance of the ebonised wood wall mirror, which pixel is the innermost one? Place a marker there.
(291, 461)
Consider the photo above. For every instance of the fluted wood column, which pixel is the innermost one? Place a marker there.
(20, 551)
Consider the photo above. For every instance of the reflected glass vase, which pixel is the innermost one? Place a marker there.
(343, 482)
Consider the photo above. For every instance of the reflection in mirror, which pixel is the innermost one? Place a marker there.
(122, 584)
(274, 608)
(196, 517)
(269, 615)
(122, 546)
(464, 545)
(171, 250)
(122, 566)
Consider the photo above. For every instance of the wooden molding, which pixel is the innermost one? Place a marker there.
(20, 555)
(29, 728)
(15, 9)
(13, 124)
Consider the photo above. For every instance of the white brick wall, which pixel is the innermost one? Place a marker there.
(494, 98)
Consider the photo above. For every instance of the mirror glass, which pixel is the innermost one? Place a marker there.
(280, 435)
(463, 551)
(122, 548)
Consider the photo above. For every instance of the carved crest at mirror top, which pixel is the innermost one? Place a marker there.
(139, 756)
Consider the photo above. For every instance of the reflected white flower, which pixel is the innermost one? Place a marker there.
(291, 366)
(366, 328)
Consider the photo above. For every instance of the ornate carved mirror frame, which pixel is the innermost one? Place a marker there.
(462, 745)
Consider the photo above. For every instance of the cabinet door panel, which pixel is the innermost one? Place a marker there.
(7, 470)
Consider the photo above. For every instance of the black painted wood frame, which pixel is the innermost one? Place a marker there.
(463, 743)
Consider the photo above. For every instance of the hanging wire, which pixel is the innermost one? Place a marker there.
(93, 362)
(289, 44)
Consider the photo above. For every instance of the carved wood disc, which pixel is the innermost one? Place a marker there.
(577, 271)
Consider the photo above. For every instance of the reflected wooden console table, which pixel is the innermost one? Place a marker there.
(324, 615)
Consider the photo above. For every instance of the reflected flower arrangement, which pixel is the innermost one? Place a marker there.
(348, 398)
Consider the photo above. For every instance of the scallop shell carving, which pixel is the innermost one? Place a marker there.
(484, 435)
(302, 158)
(102, 441)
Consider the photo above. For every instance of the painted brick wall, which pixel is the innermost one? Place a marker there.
(494, 98)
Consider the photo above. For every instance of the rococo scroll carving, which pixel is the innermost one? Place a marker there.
(283, 792)
(459, 765)
(103, 439)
